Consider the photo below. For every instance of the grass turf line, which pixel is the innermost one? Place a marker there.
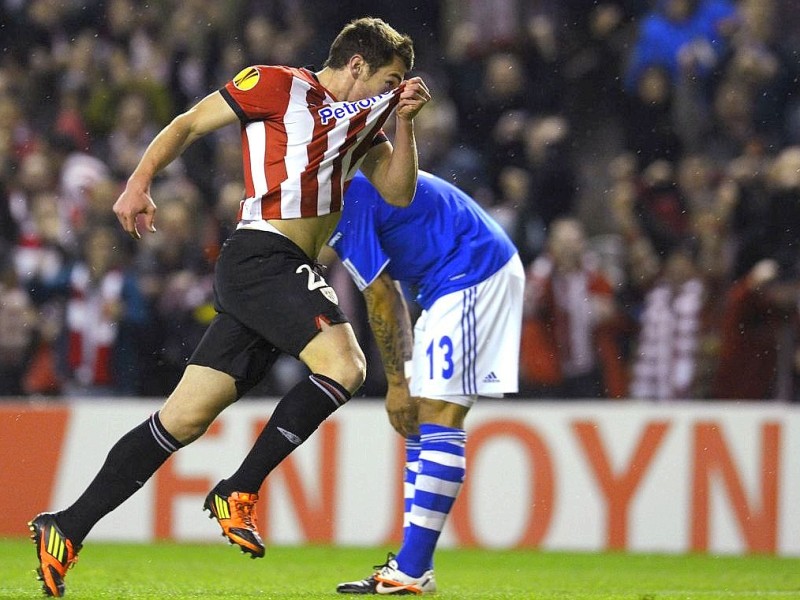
(196, 571)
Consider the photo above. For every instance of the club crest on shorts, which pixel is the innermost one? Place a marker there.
(330, 294)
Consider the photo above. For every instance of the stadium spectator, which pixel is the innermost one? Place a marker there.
(757, 309)
(93, 346)
(748, 173)
(767, 67)
(766, 213)
(35, 175)
(17, 329)
(711, 199)
(83, 183)
(589, 56)
(660, 208)
(516, 213)
(548, 156)
(105, 310)
(676, 346)
(732, 121)
(782, 218)
(503, 87)
(41, 260)
(682, 35)
(133, 129)
(650, 130)
(542, 57)
(570, 345)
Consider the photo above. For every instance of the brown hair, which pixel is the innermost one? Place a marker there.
(375, 40)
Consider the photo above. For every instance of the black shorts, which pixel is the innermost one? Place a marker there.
(270, 299)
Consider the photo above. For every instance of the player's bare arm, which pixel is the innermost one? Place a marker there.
(391, 326)
(209, 114)
(392, 168)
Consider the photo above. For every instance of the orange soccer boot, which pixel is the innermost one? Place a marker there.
(56, 553)
(235, 514)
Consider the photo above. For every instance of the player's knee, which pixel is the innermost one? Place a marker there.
(352, 371)
(336, 354)
(193, 430)
(185, 426)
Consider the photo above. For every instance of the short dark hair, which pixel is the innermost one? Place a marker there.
(375, 40)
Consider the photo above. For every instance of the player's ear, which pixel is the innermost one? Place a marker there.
(357, 66)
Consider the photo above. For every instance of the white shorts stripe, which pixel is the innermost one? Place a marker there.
(468, 340)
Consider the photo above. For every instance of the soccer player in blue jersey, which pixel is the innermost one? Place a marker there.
(465, 343)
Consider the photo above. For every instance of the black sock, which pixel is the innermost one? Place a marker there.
(129, 464)
(296, 417)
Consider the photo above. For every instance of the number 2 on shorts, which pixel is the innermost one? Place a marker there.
(315, 281)
(444, 360)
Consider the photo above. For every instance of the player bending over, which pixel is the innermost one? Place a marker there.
(465, 343)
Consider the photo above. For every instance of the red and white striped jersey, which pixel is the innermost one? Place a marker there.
(300, 146)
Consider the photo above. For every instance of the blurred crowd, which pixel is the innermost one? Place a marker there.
(644, 157)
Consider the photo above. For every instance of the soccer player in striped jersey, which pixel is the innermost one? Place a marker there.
(304, 135)
(464, 344)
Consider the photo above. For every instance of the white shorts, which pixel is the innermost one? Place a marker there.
(467, 344)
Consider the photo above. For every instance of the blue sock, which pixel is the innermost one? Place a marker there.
(442, 467)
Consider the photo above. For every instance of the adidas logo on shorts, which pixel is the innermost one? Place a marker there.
(491, 378)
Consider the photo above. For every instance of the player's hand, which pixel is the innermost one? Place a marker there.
(414, 96)
(130, 205)
(402, 409)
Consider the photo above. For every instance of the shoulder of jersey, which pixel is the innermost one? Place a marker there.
(249, 77)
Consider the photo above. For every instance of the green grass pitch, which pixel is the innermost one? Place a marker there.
(195, 571)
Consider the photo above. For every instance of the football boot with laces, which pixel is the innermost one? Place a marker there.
(389, 579)
(235, 513)
(55, 551)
